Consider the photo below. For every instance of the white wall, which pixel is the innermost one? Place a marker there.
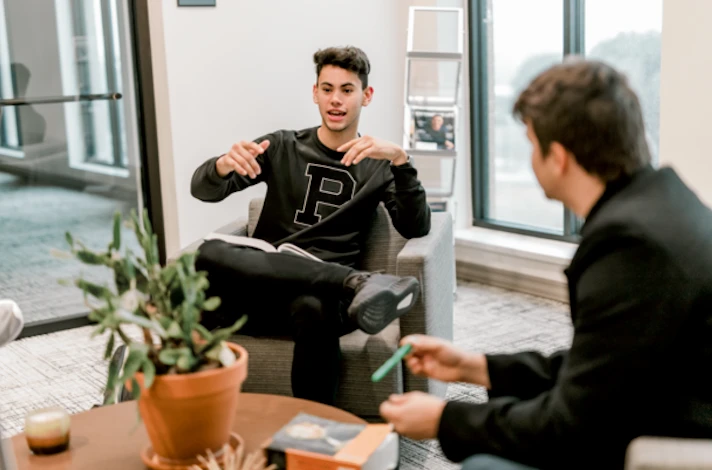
(244, 68)
(685, 94)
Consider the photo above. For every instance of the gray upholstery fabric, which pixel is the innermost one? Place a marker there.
(664, 453)
(271, 359)
(430, 259)
(254, 215)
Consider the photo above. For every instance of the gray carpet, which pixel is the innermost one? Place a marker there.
(66, 369)
(33, 220)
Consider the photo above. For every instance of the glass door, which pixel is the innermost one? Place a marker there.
(69, 152)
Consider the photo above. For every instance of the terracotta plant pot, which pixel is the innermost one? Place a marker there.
(186, 414)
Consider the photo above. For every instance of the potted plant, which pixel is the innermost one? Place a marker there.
(186, 379)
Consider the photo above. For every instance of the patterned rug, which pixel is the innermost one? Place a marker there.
(66, 369)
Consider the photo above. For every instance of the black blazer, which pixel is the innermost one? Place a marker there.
(640, 288)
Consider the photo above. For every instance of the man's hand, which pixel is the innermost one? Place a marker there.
(439, 359)
(370, 147)
(415, 415)
(449, 145)
(242, 159)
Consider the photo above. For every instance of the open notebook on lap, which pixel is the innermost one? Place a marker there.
(259, 244)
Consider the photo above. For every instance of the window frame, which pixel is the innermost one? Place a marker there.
(574, 43)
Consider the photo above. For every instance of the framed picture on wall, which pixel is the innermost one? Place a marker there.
(432, 129)
(196, 3)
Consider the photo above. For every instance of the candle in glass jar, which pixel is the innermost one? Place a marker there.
(47, 430)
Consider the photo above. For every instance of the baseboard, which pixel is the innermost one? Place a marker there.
(517, 262)
(513, 281)
(53, 325)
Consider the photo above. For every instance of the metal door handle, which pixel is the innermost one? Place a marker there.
(59, 99)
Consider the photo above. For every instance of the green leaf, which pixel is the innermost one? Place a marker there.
(135, 319)
(89, 257)
(100, 292)
(94, 315)
(168, 274)
(169, 357)
(186, 363)
(182, 278)
(190, 317)
(188, 261)
(149, 373)
(99, 330)
(211, 304)
(120, 279)
(223, 334)
(214, 352)
(111, 383)
(142, 347)
(147, 227)
(203, 331)
(135, 389)
(175, 331)
(117, 231)
(69, 238)
(143, 322)
(165, 322)
(238, 324)
(133, 362)
(109, 346)
(136, 225)
(129, 267)
(202, 283)
(141, 282)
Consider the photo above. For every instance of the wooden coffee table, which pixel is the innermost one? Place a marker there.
(102, 438)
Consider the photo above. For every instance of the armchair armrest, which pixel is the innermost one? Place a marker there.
(666, 453)
(238, 227)
(431, 260)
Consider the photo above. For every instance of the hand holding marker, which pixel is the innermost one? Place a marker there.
(391, 363)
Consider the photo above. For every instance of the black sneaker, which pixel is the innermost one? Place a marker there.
(379, 299)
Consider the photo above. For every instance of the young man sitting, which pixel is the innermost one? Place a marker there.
(324, 185)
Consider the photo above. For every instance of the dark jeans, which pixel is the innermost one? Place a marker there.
(283, 294)
(491, 462)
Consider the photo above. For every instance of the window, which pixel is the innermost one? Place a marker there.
(511, 41)
(68, 162)
(626, 34)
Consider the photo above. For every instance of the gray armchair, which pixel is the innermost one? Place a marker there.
(430, 259)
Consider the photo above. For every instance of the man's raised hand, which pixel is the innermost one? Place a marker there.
(242, 159)
(370, 147)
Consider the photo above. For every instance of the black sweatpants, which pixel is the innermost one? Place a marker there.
(283, 294)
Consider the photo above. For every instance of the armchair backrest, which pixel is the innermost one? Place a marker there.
(383, 243)
(254, 214)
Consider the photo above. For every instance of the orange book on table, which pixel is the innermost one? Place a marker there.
(308, 442)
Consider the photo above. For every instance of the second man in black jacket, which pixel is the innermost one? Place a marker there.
(640, 289)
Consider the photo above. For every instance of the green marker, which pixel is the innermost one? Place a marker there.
(391, 363)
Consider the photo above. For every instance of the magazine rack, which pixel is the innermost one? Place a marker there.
(434, 61)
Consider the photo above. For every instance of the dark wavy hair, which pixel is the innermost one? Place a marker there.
(588, 107)
(349, 58)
